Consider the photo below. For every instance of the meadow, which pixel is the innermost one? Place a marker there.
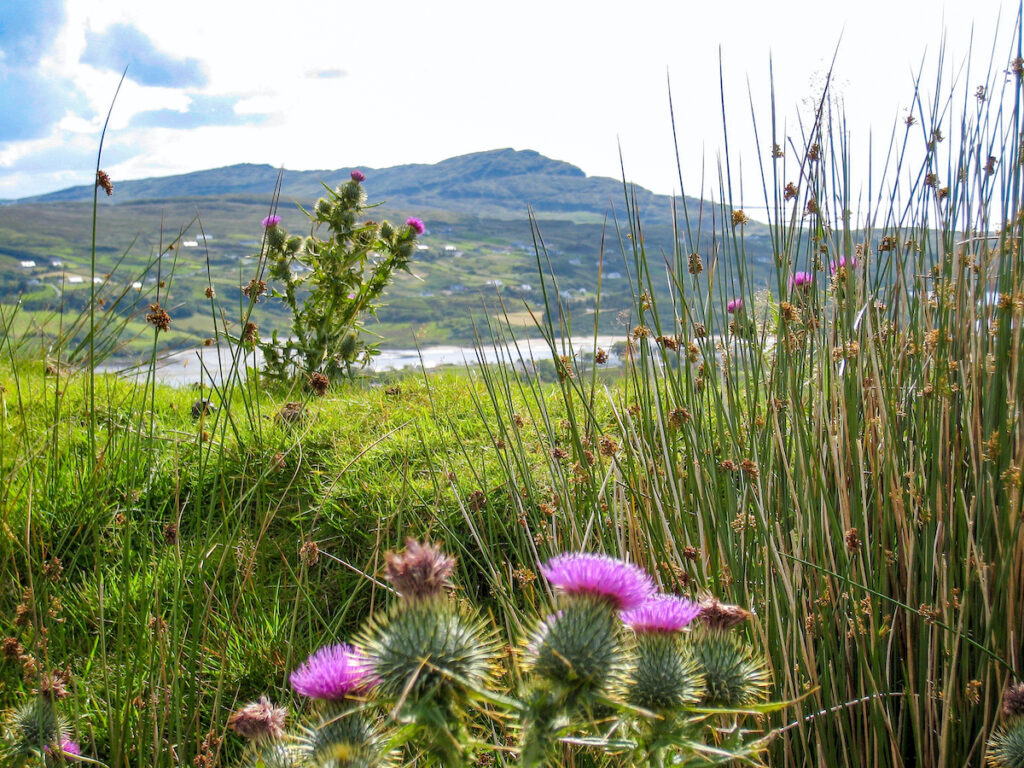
(838, 450)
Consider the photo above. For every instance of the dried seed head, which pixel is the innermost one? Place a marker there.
(319, 384)
(678, 417)
(309, 553)
(171, 533)
(209, 292)
(103, 182)
(158, 317)
(53, 685)
(421, 571)
(607, 445)
(739, 218)
(852, 538)
(255, 288)
(696, 265)
(259, 720)
(563, 366)
(476, 500)
(12, 649)
(718, 615)
(600, 357)
(251, 333)
(1013, 701)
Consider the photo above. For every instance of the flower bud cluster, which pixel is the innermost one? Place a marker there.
(611, 649)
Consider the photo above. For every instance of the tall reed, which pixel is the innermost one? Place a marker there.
(839, 449)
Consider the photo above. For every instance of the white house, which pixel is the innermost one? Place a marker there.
(75, 279)
(27, 264)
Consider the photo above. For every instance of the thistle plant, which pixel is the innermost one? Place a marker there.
(1006, 744)
(733, 675)
(329, 282)
(611, 656)
(430, 655)
(36, 734)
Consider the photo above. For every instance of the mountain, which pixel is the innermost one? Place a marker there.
(500, 183)
(478, 247)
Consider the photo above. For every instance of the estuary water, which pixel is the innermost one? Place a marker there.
(211, 364)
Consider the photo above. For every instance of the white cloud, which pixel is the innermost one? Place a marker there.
(425, 81)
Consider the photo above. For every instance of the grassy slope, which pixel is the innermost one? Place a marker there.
(183, 543)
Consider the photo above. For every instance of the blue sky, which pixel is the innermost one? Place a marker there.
(337, 84)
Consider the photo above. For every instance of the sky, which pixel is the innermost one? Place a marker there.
(338, 84)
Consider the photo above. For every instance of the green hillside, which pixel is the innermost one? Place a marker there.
(479, 243)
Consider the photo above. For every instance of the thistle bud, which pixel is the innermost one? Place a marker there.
(35, 727)
(663, 675)
(733, 675)
(577, 648)
(270, 754)
(275, 238)
(342, 737)
(455, 643)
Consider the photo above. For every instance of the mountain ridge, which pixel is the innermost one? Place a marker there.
(499, 183)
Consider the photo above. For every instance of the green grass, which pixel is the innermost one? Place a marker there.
(845, 460)
(180, 581)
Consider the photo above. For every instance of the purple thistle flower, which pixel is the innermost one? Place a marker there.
(801, 280)
(837, 265)
(358, 176)
(416, 225)
(333, 672)
(734, 306)
(661, 613)
(67, 747)
(271, 221)
(582, 573)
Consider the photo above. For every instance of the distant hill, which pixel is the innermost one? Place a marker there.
(478, 247)
(500, 183)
